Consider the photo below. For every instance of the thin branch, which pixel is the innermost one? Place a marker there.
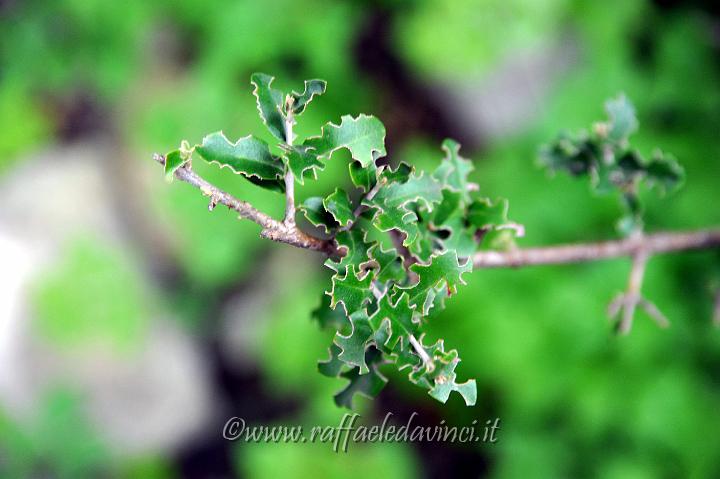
(716, 309)
(271, 228)
(289, 177)
(664, 242)
(559, 254)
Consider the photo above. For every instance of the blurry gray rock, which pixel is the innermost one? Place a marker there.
(150, 400)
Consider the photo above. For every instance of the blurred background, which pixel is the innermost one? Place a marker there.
(133, 323)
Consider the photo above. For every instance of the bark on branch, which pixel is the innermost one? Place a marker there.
(271, 228)
(650, 244)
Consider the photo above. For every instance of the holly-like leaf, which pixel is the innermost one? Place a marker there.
(338, 204)
(312, 88)
(332, 367)
(400, 219)
(351, 292)
(443, 378)
(301, 159)
(353, 345)
(316, 213)
(368, 385)
(269, 104)
(444, 269)
(355, 248)
(454, 170)
(398, 316)
(451, 206)
(249, 157)
(400, 174)
(387, 265)
(364, 177)
(363, 136)
(327, 317)
(422, 189)
(486, 214)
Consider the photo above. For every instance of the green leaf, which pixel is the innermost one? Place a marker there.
(623, 121)
(338, 204)
(353, 345)
(353, 245)
(316, 214)
(450, 206)
(664, 172)
(351, 292)
(444, 269)
(176, 159)
(443, 378)
(301, 159)
(397, 218)
(249, 156)
(400, 174)
(418, 188)
(454, 170)
(399, 318)
(312, 88)
(327, 317)
(363, 136)
(364, 177)
(368, 385)
(387, 265)
(269, 104)
(485, 214)
(333, 366)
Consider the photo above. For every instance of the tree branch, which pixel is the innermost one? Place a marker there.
(275, 230)
(664, 242)
(271, 228)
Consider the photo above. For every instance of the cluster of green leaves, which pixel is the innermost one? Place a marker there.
(380, 297)
(606, 157)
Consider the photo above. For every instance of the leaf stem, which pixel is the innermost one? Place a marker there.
(289, 177)
(427, 361)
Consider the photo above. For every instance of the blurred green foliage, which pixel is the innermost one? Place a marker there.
(92, 297)
(574, 401)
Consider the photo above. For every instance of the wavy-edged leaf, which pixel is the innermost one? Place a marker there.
(444, 268)
(339, 206)
(454, 170)
(173, 161)
(364, 177)
(355, 248)
(387, 265)
(269, 104)
(423, 189)
(363, 136)
(399, 318)
(351, 292)
(249, 156)
(316, 213)
(353, 345)
(368, 385)
(301, 159)
(313, 88)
